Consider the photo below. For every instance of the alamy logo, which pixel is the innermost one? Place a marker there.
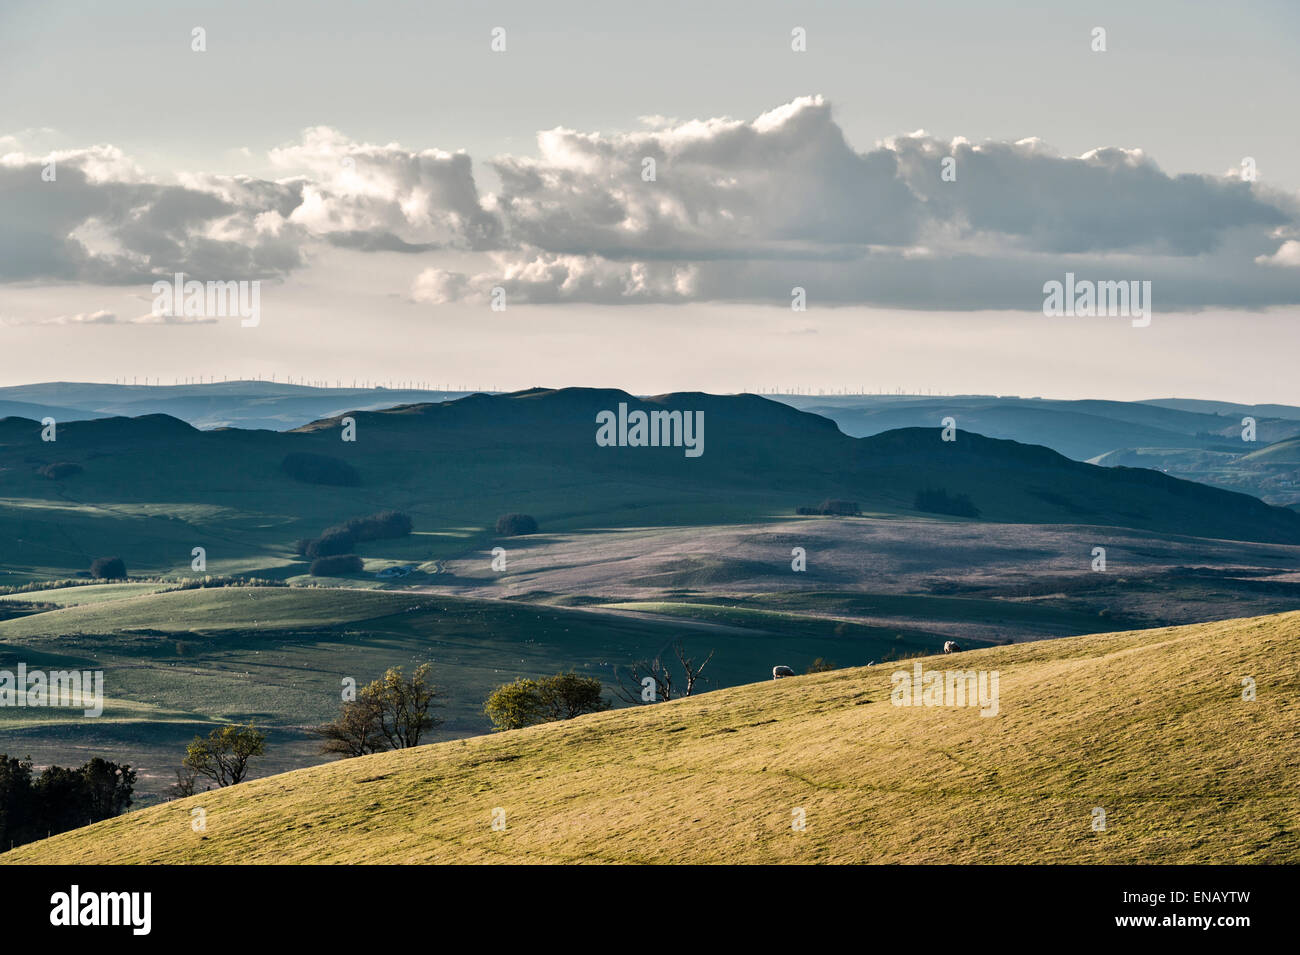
(194, 299)
(1130, 299)
(654, 429)
(70, 688)
(946, 688)
(74, 908)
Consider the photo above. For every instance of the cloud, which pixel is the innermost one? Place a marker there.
(100, 221)
(747, 210)
(1288, 255)
(677, 211)
(386, 197)
(101, 317)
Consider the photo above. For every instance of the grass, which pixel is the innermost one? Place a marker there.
(183, 661)
(1150, 726)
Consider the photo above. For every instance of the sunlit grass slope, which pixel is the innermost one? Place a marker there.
(1149, 726)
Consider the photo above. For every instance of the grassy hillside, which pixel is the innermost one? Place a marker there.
(181, 662)
(1149, 726)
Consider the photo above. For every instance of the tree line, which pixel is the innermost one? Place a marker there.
(59, 798)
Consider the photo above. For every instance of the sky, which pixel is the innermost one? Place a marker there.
(919, 171)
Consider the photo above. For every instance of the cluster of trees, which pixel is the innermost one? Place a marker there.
(390, 713)
(59, 799)
(937, 500)
(319, 469)
(526, 702)
(513, 525)
(108, 568)
(832, 508)
(336, 566)
(659, 680)
(333, 552)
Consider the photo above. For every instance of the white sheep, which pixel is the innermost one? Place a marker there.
(778, 672)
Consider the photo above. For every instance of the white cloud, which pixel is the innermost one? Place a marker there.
(1288, 255)
(737, 210)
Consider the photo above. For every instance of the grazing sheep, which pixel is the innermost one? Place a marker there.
(950, 646)
(778, 672)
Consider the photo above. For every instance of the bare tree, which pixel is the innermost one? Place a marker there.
(648, 681)
(691, 671)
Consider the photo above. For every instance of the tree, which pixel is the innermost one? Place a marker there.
(358, 730)
(60, 798)
(527, 702)
(337, 566)
(690, 670)
(515, 705)
(334, 541)
(820, 666)
(319, 469)
(184, 785)
(567, 695)
(16, 802)
(109, 788)
(224, 756)
(403, 705)
(513, 525)
(108, 568)
(662, 680)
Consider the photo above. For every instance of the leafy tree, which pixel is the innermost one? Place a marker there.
(224, 756)
(381, 526)
(513, 525)
(820, 666)
(336, 540)
(513, 706)
(338, 566)
(108, 568)
(319, 469)
(60, 798)
(358, 730)
(16, 802)
(526, 702)
(109, 788)
(937, 500)
(403, 705)
(567, 695)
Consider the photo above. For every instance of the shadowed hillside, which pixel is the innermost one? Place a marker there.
(151, 487)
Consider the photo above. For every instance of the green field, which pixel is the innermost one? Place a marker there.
(1151, 727)
(185, 660)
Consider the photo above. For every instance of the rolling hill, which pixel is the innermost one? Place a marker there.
(153, 487)
(1151, 728)
(244, 404)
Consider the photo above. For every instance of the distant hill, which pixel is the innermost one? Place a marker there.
(1081, 429)
(243, 404)
(153, 487)
(1196, 440)
(1148, 726)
